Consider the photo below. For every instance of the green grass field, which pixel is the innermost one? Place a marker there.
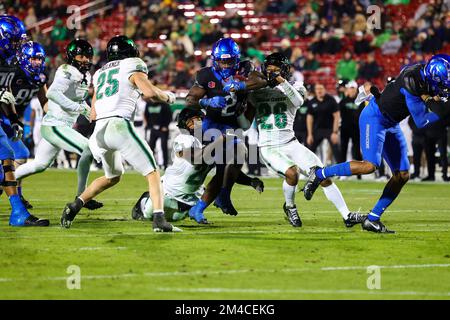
(255, 255)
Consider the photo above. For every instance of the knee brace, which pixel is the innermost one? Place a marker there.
(8, 183)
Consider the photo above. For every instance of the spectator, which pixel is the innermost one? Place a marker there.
(392, 46)
(311, 63)
(350, 112)
(59, 32)
(432, 43)
(286, 49)
(157, 117)
(322, 121)
(31, 18)
(325, 44)
(181, 78)
(370, 69)
(436, 134)
(346, 68)
(360, 23)
(300, 124)
(361, 45)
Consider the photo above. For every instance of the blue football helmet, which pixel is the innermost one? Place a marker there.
(31, 60)
(22, 34)
(225, 51)
(8, 38)
(437, 74)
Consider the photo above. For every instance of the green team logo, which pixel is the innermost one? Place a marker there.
(141, 68)
(265, 110)
(107, 77)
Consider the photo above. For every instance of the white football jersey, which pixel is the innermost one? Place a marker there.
(275, 113)
(183, 180)
(115, 94)
(69, 91)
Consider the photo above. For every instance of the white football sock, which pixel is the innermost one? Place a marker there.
(289, 194)
(333, 194)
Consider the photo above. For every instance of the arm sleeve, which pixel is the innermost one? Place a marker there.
(293, 93)
(418, 110)
(56, 92)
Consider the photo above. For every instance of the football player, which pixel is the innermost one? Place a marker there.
(12, 34)
(66, 101)
(183, 180)
(381, 136)
(29, 81)
(276, 106)
(211, 92)
(117, 87)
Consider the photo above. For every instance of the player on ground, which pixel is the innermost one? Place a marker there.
(12, 33)
(117, 88)
(183, 180)
(66, 101)
(29, 81)
(222, 108)
(381, 136)
(276, 106)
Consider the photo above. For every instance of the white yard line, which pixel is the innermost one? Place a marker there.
(303, 291)
(330, 230)
(221, 272)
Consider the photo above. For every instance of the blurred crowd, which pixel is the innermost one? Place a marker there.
(175, 46)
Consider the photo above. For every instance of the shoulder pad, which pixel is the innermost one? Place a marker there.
(413, 81)
(134, 65)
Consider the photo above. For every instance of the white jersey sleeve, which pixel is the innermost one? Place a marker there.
(115, 94)
(185, 141)
(66, 96)
(295, 92)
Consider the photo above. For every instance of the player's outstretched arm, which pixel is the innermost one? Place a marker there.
(42, 96)
(93, 115)
(193, 97)
(421, 116)
(150, 91)
(255, 81)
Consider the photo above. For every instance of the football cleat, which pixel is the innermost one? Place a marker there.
(257, 184)
(136, 211)
(69, 213)
(354, 218)
(312, 183)
(161, 225)
(197, 215)
(26, 203)
(292, 215)
(93, 205)
(375, 226)
(27, 220)
(225, 205)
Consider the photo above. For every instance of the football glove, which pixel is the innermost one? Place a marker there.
(172, 97)
(7, 97)
(217, 102)
(85, 111)
(272, 80)
(16, 126)
(236, 85)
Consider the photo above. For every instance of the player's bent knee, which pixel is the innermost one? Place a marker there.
(113, 181)
(326, 183)
(402, 176)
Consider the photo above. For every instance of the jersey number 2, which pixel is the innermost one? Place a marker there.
(113, 87)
